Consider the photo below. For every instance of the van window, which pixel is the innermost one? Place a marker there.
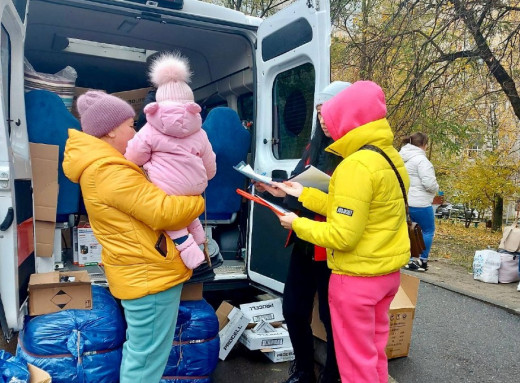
(245, 107)
(20, 6)
(293, 102)
(5, 59)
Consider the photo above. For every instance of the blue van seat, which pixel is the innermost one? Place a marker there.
(48, 121)
(230, 142)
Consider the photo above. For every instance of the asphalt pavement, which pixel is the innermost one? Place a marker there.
(457, 338)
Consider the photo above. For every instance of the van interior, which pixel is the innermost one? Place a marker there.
(108, 45)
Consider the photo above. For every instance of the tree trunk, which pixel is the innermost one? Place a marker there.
(498, 211)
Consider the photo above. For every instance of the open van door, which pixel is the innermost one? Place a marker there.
(292, 65)
(16, 206)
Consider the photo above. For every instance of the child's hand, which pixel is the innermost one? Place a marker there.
(261, 187)
(287, 219)
(292, 188)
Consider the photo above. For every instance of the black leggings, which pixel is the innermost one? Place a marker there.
(305, 277)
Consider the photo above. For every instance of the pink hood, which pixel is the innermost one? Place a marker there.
(173, 148)
(174, 118)
(357, 105)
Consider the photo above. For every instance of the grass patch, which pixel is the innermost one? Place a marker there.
(453, 243)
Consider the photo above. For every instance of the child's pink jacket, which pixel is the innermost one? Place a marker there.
(173, 148)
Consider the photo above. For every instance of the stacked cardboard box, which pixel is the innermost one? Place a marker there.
(257, 326)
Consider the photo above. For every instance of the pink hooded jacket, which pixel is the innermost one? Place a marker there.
(173, 149)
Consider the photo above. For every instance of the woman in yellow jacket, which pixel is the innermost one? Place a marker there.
(365, 234)
(129, 215)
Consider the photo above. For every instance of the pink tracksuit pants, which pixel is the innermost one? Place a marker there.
(360, 324)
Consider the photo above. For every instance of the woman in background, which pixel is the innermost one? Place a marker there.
(423, 187)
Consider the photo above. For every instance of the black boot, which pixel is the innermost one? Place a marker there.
(329, 377)
(300, 376)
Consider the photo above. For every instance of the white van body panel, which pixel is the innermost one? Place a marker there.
(14, 158)
(316, 52)
(224, 48)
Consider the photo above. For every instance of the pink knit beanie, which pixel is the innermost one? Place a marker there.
(100, 113)
(357, 105)
(170, 74)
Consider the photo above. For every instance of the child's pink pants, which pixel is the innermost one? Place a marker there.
(359, 312)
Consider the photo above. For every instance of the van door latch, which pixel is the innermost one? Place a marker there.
(4, 177)
(17, 122)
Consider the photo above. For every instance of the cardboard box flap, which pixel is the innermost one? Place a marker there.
(223, 312)
(46, 280)
(37, 375)
(44, 163)
(44, 238)
(410, 286)
(401, 301)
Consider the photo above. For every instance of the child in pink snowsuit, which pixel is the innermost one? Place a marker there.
(173, 148)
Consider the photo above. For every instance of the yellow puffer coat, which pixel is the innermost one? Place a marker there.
(128, 214)
(366, 232)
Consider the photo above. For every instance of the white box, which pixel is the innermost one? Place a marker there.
(263, 326)
(270, 311)
(278, 355)
(75, 257)
(257, 341)
(232, 323)
(89, 249)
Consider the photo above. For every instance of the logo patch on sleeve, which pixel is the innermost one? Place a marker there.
(345, 211)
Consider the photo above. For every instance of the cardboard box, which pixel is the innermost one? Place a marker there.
(37, 375)
(263, 326)
(402, 312)
(269, 310)
(192, 292)
(89, 249)
(232, 323)
(135, 98)
(318, 329)
(47, 294)
(44, 164)
(257, 341)
(279, 355)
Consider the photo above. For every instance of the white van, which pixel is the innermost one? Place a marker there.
(266, 70)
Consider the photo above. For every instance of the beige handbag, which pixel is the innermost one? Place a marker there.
(511, 237)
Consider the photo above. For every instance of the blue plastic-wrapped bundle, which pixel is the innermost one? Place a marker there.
(77, 346)
(194, 354)
(12, 369)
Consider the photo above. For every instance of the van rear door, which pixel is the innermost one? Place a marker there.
(292, 65)
(16, 224)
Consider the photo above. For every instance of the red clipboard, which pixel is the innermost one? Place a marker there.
(261, 201)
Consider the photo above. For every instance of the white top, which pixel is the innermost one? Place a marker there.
(423, 184)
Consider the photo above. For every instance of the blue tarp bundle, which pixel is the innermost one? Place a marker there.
(12, 369)
(77, 346)
(194, 353)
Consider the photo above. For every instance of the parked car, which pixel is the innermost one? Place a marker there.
(448, 210)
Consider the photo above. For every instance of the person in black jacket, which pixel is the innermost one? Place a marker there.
(308, 271)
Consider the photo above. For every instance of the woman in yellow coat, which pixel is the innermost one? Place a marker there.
(129, 215)
(365, 234)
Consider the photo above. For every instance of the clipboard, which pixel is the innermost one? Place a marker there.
(277, 209)
(246, 170)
